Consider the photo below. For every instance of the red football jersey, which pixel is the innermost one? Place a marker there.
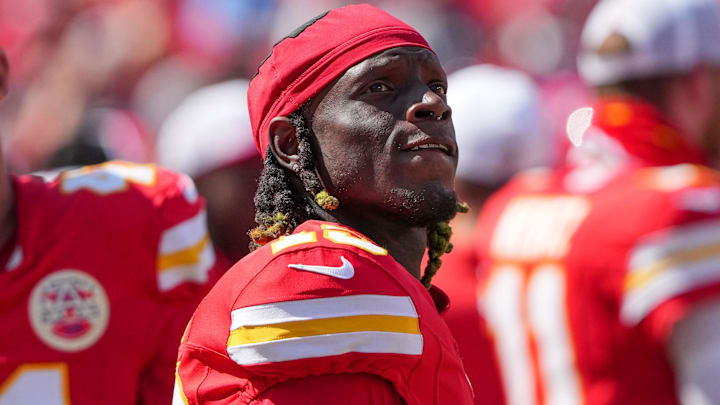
(106, 267)
(588, 268)
(458, 278)
(324, 300)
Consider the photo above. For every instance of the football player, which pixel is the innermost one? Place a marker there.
(499, 132)
(603, 276)
(100, 270)
(349, 113)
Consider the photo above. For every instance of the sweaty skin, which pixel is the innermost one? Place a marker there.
(366, 123)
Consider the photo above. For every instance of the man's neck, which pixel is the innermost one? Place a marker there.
(406, 244)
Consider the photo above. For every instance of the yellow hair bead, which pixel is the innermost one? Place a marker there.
(259, 236)
(263, 234)
(463, 207)
(326, 201)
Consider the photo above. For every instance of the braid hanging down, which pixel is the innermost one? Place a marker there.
(279, 210)
(438, 243)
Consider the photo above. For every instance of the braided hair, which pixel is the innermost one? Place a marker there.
(279, 208)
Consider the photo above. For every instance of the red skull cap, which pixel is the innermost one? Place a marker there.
(314, 55)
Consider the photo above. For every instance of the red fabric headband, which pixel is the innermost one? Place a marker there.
(306, 61)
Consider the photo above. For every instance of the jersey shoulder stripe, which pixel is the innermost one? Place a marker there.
(668, 263)
(185, 253)
(321, 327)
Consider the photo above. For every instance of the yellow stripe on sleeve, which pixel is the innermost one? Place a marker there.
(183, 257)
(639, 277)
(360, 323)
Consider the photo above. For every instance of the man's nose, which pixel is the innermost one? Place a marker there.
(431, 107)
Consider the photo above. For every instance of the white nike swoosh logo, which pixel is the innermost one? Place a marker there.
(345, 271)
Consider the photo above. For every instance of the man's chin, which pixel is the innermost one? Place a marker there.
(423, 208)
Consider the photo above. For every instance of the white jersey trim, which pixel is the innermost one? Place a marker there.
(327, 345)
(668, 263)
(198, 272)
(184, 235)
(323, 308)
(638, 303)
(178, 396)
(669, 242)
(185, 253)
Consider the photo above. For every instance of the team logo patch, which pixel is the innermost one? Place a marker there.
(69, 310)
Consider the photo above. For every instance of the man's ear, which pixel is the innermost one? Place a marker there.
(283, 142)
(4, 73)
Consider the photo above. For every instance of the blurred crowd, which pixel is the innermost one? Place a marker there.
(104, 75)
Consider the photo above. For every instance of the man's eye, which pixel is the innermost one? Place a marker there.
(438, 88)
(378, 87)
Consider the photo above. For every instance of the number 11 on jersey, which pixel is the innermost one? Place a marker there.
(527, 313)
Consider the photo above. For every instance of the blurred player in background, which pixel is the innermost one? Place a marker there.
(100, 270)
(499, 131)
(209, 137)
(350, 114)
(603, 277)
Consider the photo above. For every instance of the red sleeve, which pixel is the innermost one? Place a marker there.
(349, 389)
(184, 275)
(155, 384)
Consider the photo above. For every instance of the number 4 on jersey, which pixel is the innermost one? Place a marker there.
(45, 383)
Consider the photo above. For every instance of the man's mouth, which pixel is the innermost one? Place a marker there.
(431, 146)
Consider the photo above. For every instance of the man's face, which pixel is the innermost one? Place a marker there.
(386, 138)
